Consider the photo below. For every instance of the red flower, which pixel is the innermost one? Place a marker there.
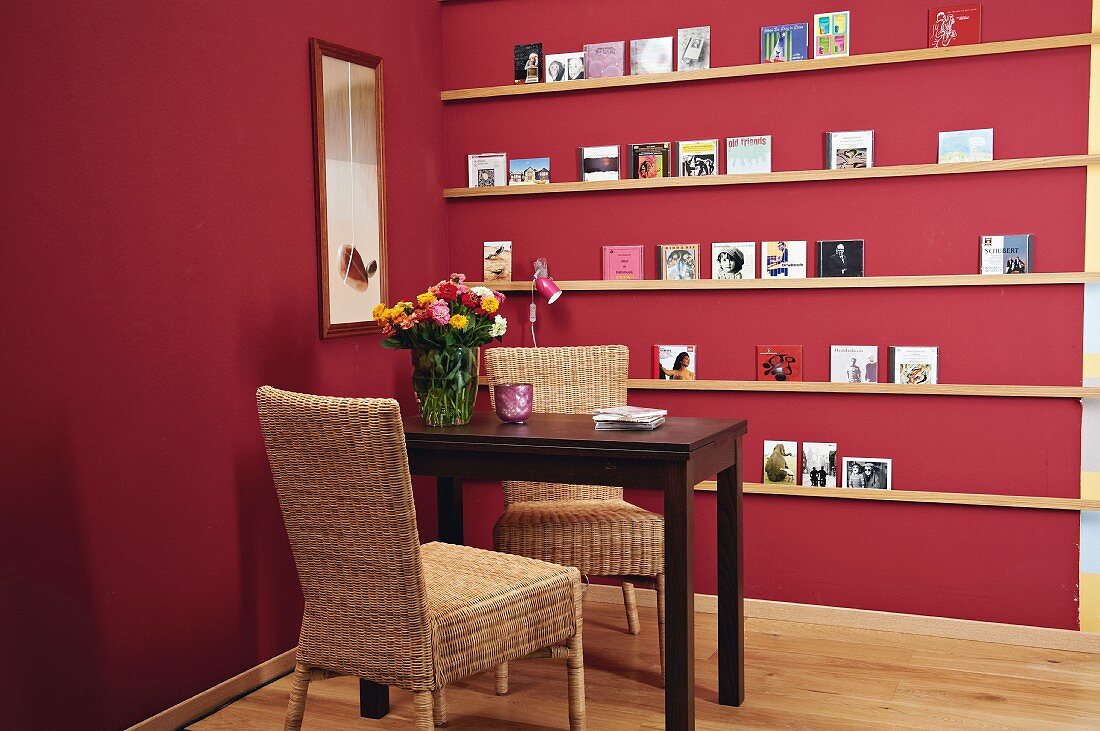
(471, 300)
(447, 291)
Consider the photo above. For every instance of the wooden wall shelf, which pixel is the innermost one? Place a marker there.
(937, 280)
(896, 389)
(785, 176)
(765, 69)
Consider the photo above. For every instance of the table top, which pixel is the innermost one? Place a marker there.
(682, 434)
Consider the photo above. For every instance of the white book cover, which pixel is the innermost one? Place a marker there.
(782, 259)
(853, 364)
(693, 48)
(966, 145)
(600, 163)
(487, 170)
(651, 56)
(564, 67)
(697, 158)
(745, 155)
(855, 149)
(868, 473)
(733, 260)
(1006, 254)
(780, 462)
(819, 464)
(914, 365)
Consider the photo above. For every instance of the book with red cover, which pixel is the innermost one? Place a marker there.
(623, 262)
(954, 25)
(779, 362)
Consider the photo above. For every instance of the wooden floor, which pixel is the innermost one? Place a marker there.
(797, 676)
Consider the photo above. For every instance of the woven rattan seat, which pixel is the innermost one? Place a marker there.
(590, 527)
(380, 606)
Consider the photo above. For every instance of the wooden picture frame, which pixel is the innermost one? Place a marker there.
(348, 132)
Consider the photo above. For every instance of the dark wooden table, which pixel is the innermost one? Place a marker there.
(566, 448)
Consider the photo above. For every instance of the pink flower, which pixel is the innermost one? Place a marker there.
(458, 278)
(440, 312)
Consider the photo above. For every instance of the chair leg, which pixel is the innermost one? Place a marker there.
(661, 621)
(575, 666)
(439, 707)
(297, 707)
(502, 678)
(631, 604)
(422, 703)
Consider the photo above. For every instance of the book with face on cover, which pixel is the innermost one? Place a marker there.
(733, 260)
(819, 464)
(497, 258)
(528, 63)
(599, 163)
(853, 364)
(779, 362)
(623, 262)
(674, 362)
(783, 260)
(914, 365)
(782, 43)
(746, 155)
(780, 462)
(565, 67)
(868, 473)
(1007, 254)
(651, 160)
(698, 157)
(850, 149)
(604, 60)
(840, 258)
(487, 170)
(955, 25)
(651, 56)
(693, 48)
(678, 261)
(832, 34)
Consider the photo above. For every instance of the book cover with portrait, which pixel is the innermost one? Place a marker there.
(733, 260)
(914, 365)
(604, 60)
(819, 464)
(651, 160)
(564, 67)
(1007, 254)
(528, 62)
(840, 258)
(674, 362)
(678, 261)
(780, 462)
(853, 364)
(868, 473)
(783, 260)
(779, 362)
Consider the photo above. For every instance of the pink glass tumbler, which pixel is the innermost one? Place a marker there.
(513, 402)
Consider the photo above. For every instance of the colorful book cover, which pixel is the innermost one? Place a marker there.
(914, 365)
(832, 34)
(674, 362)
(487, 170)
(529, 171)
(651, 56)
(780, 462)
(678, 261)
(565, 67)
(779, 362)
(528, 60)
(853, 364)
(840, 258)
(746, 155)
(651, 160)
(854, 149)
(781, 43)
(623, 262)
(966, 145)
(1007, 254)
(819, 464)
(868, 473)
(733, 260)
(599, 163)
(956, 25)
(497, 261)
(604, 60)
(693, 48)
(783, 260)
(698, 157)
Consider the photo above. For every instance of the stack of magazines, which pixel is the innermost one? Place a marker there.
(628, 417)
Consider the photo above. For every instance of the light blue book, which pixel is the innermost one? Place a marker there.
(966, 145)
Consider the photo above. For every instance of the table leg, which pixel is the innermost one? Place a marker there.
(679, 600)
(731, 585)
(448, 491)
(374, 699)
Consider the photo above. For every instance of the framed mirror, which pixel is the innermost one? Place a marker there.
(350, 170)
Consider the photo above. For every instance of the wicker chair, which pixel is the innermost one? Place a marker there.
(589, 527)
(380, 606)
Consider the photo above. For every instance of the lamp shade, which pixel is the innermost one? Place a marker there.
(547, 288)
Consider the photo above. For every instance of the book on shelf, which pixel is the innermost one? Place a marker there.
(651, 160)
(832, 34)
(529, 171)
(528, 61)
(840, 258)
(623, 262)
(868, 473)
(745, 155)
(599, 163)
(782, 43)
(854, 149)
(564, 67)
(487, 170)
(914, 365)
(819, 464)
(783, 260)
(780, 462)
(497, 261)
(604, 60)
(693, 48)
(779, 362)
(674, 362)
(1007, 254)
(697, 157)
(678, 261)
(651, 56)
(955, 25)
(853, 364)
(733, 260)
(966, 145)
(628, 418)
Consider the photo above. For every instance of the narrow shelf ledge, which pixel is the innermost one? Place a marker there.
(764, 69)
(894, 389)
(784, 176)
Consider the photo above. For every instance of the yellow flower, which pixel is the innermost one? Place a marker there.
(458, 322)
(379, 311)
(425, 299)
(489, 304)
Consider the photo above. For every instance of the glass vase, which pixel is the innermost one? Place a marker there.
(445, 382)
